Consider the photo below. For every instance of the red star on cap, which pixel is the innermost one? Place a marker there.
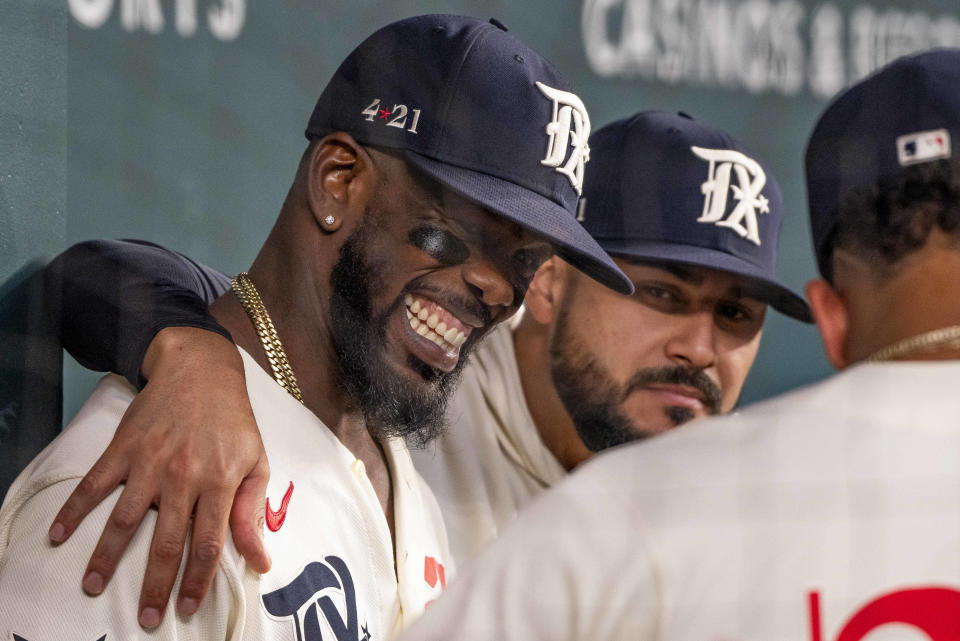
(384, 113)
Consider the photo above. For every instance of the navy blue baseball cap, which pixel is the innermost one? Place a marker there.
(479, 111)
(664, 186)
(906, 113)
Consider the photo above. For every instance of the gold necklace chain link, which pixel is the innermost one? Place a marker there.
(945, 337)
(253, 305)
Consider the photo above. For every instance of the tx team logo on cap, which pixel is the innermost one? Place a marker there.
(570, 127)
(750, 179)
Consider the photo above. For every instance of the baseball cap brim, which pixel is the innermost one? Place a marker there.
(532, 211)
(774, 293)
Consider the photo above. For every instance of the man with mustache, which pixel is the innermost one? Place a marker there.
(584, 368)
(435, 184)
(830, 513)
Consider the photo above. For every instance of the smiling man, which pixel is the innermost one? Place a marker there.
(418, 187)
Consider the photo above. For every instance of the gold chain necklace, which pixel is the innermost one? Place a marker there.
(948, 337)
(253, 305)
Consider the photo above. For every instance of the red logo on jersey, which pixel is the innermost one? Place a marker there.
(275, 519)
(433, 571)
(935, 611)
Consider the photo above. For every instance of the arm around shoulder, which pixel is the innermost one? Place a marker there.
(111, 297)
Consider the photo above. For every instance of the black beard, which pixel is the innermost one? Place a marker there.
(390, 405)
(592, 398)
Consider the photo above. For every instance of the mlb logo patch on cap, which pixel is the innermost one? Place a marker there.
(923, 147)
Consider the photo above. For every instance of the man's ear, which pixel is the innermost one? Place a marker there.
(830, 313)
(340, 179)
(546, 290)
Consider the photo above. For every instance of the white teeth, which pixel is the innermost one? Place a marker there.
(428, 325)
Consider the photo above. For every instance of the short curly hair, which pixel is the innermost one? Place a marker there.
(893, 218)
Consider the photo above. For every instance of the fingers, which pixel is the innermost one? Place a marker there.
(124, 520)
(188, 440)
(206, 545)
(106, 474)
(166, 552)
(246, 518)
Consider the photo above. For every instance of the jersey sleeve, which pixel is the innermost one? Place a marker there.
(572, 566)
(41, 583)
(111, 297)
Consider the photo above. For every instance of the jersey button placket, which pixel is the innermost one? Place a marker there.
(359, 470)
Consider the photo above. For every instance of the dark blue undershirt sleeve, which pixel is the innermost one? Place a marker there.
(111, 297)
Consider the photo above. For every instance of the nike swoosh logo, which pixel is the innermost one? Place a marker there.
(275, 519)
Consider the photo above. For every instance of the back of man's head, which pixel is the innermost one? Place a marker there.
(881, 169)
(883, 181)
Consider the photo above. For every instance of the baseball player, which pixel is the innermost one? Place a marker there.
(337, 375)
(584, 368)
(830, 513)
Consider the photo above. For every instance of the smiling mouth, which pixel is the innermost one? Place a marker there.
(434, 323)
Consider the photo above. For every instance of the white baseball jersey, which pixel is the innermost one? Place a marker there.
(491, 461)
(829, 514)
(334, 577)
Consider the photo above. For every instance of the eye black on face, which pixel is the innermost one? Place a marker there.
(440, 244)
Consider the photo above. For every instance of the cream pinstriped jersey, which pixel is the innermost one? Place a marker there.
(829, 514)
(335, 575)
